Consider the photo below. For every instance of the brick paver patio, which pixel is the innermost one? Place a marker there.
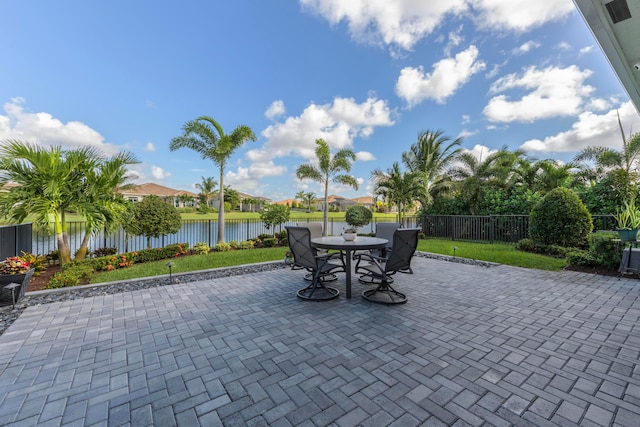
(473, 346)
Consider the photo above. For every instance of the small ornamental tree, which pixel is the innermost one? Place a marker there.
(357, 216)
(152, 217)
(274, 215)
(560, 218)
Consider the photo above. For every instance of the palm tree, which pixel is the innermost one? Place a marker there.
(329, 170)
(621, 165)
(52, 182)
(231, 196)
(299, 196)
(309, 198)
(474, 174)
(430, 156)
(206, 136)
(552, 175)
(102, 182)
(207, 189)
(185, 199)
(398, 188)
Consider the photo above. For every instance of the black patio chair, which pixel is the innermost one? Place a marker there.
(384, 230)
(305, 256)
(379, 270)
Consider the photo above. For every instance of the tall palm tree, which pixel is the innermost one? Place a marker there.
(430, 156)
(206, 136)
(398, 188)
(329, 170)
(207, 189)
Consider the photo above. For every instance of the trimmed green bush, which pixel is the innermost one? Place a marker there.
(528, 245)
(603, 248)
(104, 252)
(581, 258)
(201, 248)
(222, 247)
(247, 244)
(270, 242)
(357, 216)
(560, 218)
(72, 276)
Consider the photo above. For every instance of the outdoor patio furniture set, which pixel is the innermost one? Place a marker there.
(377, 260)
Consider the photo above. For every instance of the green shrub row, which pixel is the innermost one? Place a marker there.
(528, 245)
(602, 252)
(79, 271)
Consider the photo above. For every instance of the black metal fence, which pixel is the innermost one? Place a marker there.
(491, 228)
(483, 228)
(15, 239)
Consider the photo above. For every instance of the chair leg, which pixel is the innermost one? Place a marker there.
(317, 291)
(384, 294)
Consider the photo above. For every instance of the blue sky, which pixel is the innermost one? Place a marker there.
(367, 75)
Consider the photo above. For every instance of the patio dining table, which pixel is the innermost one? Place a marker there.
(339, 243)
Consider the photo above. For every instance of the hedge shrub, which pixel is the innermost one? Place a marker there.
(560, 218)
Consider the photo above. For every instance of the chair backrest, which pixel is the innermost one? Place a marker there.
(385, 230)
(314, 227)
(405, 242)
(300, 244)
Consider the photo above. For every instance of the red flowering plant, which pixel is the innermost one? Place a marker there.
(14, 265)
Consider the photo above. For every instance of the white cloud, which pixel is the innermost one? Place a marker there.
(465, 119)
(519, 15)
(587, 49)
(553, 92)
(150, 147)
(276, 109)
(337, 123)
(365, 156)
(466, 133)
(150, 104)
(480, 152)
(455, 39)
(590, 130)
(400, 23)
(248, 179)
(526, 47)
(563, 46)
(44, 129)
(448, 75)
(158, 173)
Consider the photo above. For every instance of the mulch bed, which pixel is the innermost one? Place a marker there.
(39, 282)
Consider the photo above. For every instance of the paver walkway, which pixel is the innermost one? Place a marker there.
(473, 346)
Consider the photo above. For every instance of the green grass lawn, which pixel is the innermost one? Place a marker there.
(499, 253)
(193, 263)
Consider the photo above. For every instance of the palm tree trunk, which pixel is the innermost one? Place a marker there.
(221, 207)
(325, 218)
(63, 246)
(82, 251)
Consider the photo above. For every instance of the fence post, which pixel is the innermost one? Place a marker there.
(209, 233)
(491, 229)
